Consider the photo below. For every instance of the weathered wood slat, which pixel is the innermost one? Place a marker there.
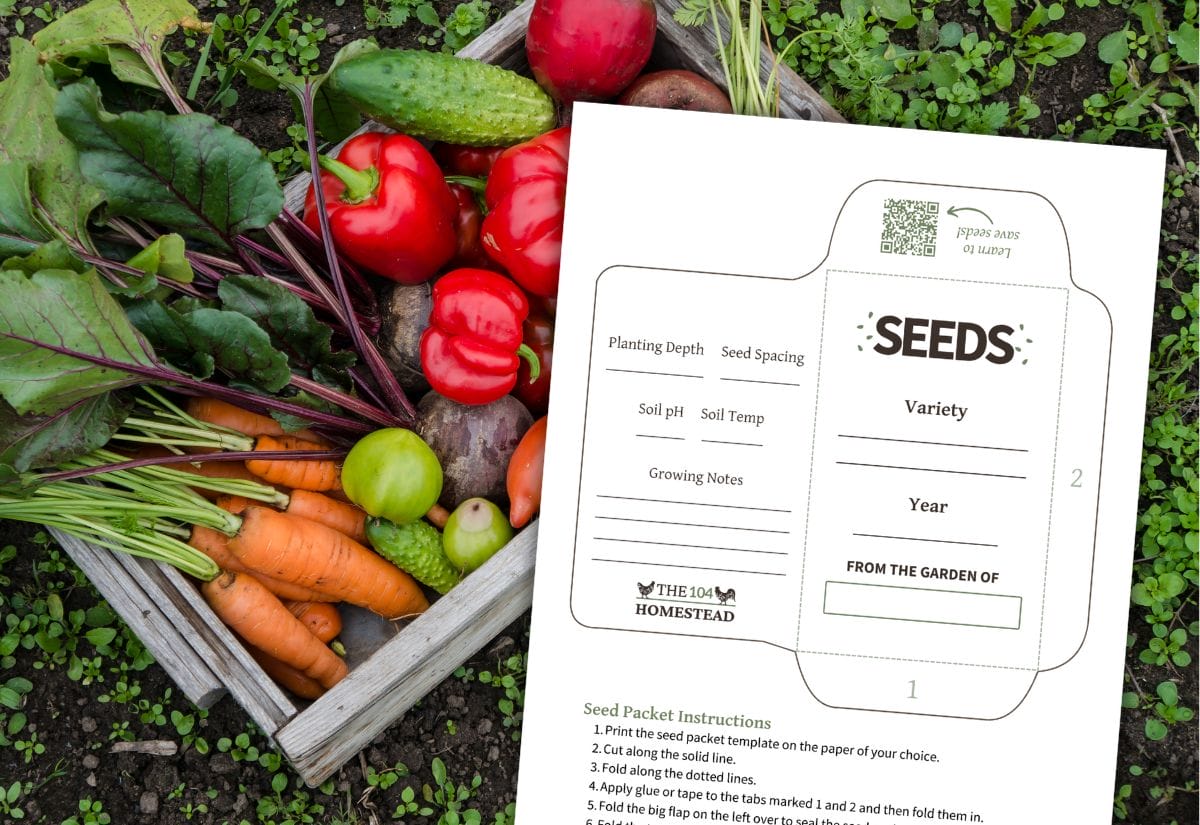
(180, 599)
(375, 694)
(141, 611)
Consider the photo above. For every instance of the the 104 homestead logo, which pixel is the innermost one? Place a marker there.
(695, 603)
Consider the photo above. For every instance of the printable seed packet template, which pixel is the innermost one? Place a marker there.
(841, 475)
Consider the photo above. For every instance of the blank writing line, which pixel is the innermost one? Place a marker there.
(935, 443)
(697, 546)
(688, 524)
(695, 503)
(667, 437)
(926, 469)
(913, 538)
(651, 372)
(756, 381)
(691, 567)
(734, 443)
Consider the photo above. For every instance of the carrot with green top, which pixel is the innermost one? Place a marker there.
(231, 417)
(313, 555)
(215, 545)
(317, 476)
(342, 516)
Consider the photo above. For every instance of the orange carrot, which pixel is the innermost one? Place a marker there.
(216, 546)
(287, 676)
(233, 504)
(343, 517)
(224, 414)
(438, 516)
(218, 469)
(301, 475)
(313, 555)
(255, 614)
(321, 618)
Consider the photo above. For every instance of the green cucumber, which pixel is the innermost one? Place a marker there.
(442, 97)
(416, 548)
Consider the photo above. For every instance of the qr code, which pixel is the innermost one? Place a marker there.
(909, 227)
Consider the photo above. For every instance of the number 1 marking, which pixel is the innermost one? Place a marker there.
(912, 692)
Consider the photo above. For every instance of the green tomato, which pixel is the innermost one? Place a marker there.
(474, 532)
(393, 474)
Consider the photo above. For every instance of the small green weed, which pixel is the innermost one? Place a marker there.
(509, 678)
(10, 796)
(462, 25)
(450, 797)
(1165, 706)
(91, 812)
(409, 806)
(45, 12)
(506, 817)
(386, 778)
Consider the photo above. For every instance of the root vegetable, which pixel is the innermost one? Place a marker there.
(676, 89)
(474, 443)
(405, 311)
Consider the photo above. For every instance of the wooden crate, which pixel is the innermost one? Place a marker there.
(388, 675)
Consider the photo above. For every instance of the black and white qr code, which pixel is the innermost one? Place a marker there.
(909, 227)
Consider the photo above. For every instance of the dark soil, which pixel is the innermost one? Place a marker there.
(459, 721)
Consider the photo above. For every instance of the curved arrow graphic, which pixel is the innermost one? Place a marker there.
(955, 210)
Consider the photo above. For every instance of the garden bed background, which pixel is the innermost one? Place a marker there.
(76, 719)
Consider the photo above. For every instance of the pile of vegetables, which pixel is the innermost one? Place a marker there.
(192, 373)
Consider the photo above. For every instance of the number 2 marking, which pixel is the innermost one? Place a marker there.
(1077, 480)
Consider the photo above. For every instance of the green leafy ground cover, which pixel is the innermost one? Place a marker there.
(74, 682)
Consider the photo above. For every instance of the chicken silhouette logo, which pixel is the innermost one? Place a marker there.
(646, 589)
(725, 596)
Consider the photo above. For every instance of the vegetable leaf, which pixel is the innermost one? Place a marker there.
(36, 441)
(204, 340)
(285, 317)
(1001, 13)
(51, 255)
(69, 310)
(133, 23)
(185, 172)
(19, 230)
(28, 134)
(165, 257)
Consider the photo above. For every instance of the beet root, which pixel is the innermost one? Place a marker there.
(676, 89)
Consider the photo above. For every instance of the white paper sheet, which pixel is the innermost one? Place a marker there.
(841, 475)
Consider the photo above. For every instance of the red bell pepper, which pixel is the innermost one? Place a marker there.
(472, 348)
(472, 161)
(526, 193)
(469, 251)
(390, 210)
(539, 337)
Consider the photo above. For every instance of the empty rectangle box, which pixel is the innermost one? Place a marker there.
(918, 604)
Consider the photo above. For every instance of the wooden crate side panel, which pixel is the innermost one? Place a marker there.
(259, 696)
(375, 694)
(142, 612)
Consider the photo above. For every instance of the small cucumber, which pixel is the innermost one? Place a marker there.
(442, 97)
(416, 548)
